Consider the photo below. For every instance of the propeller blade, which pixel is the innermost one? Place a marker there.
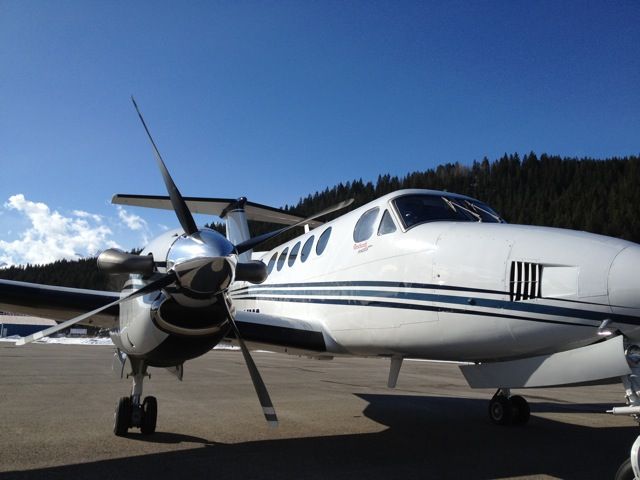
(151, 287)
(178, 203)
(255, 241)
(258, 383)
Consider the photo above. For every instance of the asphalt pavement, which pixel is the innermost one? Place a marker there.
(337, 421)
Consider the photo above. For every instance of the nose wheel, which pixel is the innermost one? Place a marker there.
(131, 412)
(507, 409)
(129, 415)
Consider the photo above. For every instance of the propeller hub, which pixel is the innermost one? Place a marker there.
(205, 243)
(204, 264)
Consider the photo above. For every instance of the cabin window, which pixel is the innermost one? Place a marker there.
(364, 227)
(272, 262)
(294, 254)
(306, 249)
(387, 224)
(322, 241)
(283, 257)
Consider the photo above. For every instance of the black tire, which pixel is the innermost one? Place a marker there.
(149, 415)
(625, 472)
(122, 417)
(500, 410)
(521, 411)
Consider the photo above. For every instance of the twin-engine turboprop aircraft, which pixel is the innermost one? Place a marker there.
(413, 274)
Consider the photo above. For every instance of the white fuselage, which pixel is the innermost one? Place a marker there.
(446, 290)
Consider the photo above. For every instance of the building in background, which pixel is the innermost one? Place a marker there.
(22, 325)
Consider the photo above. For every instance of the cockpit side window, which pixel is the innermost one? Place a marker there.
(387, 224)
(365, 224)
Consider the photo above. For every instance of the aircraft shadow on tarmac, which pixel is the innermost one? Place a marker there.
(427, 437)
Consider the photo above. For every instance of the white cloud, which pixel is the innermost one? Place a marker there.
(131, 220)
(135, 223)
(53, 236)
(83, 214)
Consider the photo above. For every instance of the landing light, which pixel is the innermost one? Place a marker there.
(603, 329)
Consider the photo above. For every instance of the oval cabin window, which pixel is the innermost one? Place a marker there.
(306, 249)
(322, 241)
(364, 227)
(294, 254)
(283, 257)
(272, 262)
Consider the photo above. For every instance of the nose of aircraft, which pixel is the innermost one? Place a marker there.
(624, 281)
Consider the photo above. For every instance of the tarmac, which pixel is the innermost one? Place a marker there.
(338, 420)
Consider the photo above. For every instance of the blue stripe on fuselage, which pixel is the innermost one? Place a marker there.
(504, 307)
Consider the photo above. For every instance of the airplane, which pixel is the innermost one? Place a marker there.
(416, 273)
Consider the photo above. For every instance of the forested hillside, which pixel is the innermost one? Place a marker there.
(600, 196)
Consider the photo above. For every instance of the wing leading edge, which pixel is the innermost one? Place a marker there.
(57, 303)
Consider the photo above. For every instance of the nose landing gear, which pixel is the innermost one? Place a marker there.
(507, 409)
(130, 412)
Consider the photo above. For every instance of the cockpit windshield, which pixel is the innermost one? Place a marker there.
(421, 208)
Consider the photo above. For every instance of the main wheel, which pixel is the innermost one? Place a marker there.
(500, 410)
(625, 472)
(521, 411)
(149, 415)
(122, 417)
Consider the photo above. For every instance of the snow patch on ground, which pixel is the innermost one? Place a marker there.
(94, 341)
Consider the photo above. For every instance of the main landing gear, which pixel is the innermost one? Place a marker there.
(130, 412)
(630, 468)
(507, 409)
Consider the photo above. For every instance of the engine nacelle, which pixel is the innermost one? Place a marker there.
(116, 261)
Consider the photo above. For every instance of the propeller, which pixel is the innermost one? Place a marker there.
(178, 203)
(204, 274)
(149, 288)
(256, 378)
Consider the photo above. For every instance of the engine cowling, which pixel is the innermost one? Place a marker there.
(173, 318)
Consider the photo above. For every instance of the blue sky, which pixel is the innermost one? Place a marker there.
(275, 100)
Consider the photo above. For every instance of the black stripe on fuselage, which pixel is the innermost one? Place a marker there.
(410, 306)
(525, 307)
(405, 294)
(406, 285)
(367, 283)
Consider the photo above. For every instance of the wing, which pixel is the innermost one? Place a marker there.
(57, 303)
(283, 334)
